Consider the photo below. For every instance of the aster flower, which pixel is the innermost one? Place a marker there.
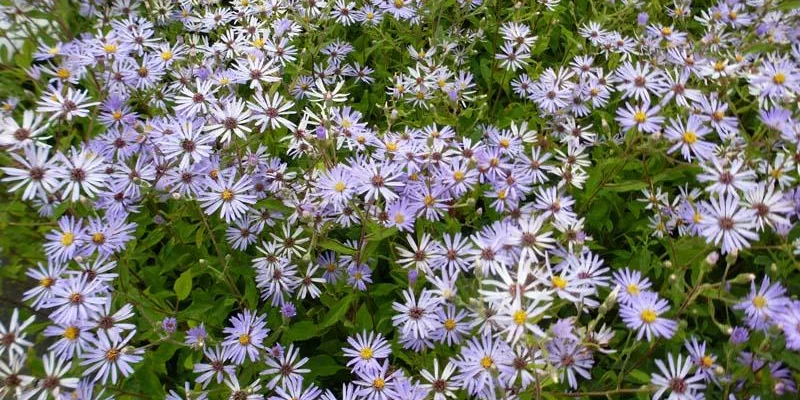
(573, 358)
(477, 364)
(46, 278)
(631, 284)
(674, 379)
(37, 176)
(229, 196)
(82, 171)
(728, 224)
(15, 383)
(244, 339)
(29, 134)
(12, 337)
(286, 368)
(109, 359)
(366, 350)
(189, 143)
(65, 106)
(705, 362)
(54, 382)
(416, 317)
(689, 138)
(216, 367)
(378, 383)
(644, 316)
(642, 117)
(230, 119)
(440, 383)
(358, 275)
(761, 306)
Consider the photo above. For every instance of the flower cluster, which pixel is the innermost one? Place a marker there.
(385, 200)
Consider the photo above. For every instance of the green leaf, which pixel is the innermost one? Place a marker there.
(334, 245)
(338, 311)
(323, 365)
(183, 285)
(302, 330)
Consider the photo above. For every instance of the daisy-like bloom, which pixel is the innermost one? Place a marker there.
(727, 178)
(216, 368)
(15, 383)
(229, 196)
(76, 299)
(570, 355)
(727, 223)
(321, 94)
(191, 103)
(112, 324)
(109, 359)
(82, 171)
(378, 383)
(196, 337)
(789, 322)
(257, 71)
(12, 337)
(771, 206)
(376, 181)
(440, 383)
(420, 255)
(533, 239)
(74, 338)
(231, 119)
(286, 368)
(641, 117)
(245, 337)
(631, 285)
(54, 381)
(46, 278)
(38, 175)
(516, 317)
(478, 363)
(66, 107)
(30, 133)
(689, 138)
(776, 78)
(706, 362)
(674, 379)
(763, 305)
(270, 113)
(512, 57)
(639, 81)
(336, 187)
(417, 317)
(189, 143)
(294, 390)
(366, 350)
(644, 316)
(453, 327)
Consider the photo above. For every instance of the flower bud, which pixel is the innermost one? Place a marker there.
(732, 256)
(176, 196)
(667, 264)
(201, 261)
(673, 278)
(712, 258)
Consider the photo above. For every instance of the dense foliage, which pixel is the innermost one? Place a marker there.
(404, 199)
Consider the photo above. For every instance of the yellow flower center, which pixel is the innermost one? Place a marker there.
(378, 383)
(559, 282)
(779, 78)
(46, 282)
(759, 301)
(224, 81)
(649, 316)
(487, 362)
(391, 146)
(633, 289)
(112, 354)
(110, 48)
(428, 200)
(706, 361)
(166, 55)
(458, 176)
(339, 187)
(67, 238)
(449, 324)
(689, 137)
(357, 276)
(399, 218)
(502, 194)
(697, 218)
(71, 333)
(520, 316)
(504, 142)
(53, 51)
(365, 353)
(244, 339)
(639, 116)
(719, 66)
(63, 73)
(116, 115)
(666, 31)
(98, 238)
(226, 195)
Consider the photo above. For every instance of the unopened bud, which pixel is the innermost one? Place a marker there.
(518, 5)
(712, 258)
(79, 259)
(306, 257)
(479, 211)
(743, 278)
(672, 278)
(176, 196)
(657, 135)
(227, 257)
(773, 267)
(668, 264)
(732, 256)
(719, 370)
(201, 261)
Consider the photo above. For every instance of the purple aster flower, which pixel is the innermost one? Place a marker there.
(674, 379)
(197, 336)
(74, 338)
(417, 317)
(478, 363)
(169, 324)
(63, 244)
(739, 335)
(761, 306)
(366, 350)
(82, 172)
(286, 368)
(575, 360)
(12, 337)
(245, 337)
(644, 316)
(75, 299)
(288, 310)
(229, 196)
(358, 275)
(215, 368)
(108, 359)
